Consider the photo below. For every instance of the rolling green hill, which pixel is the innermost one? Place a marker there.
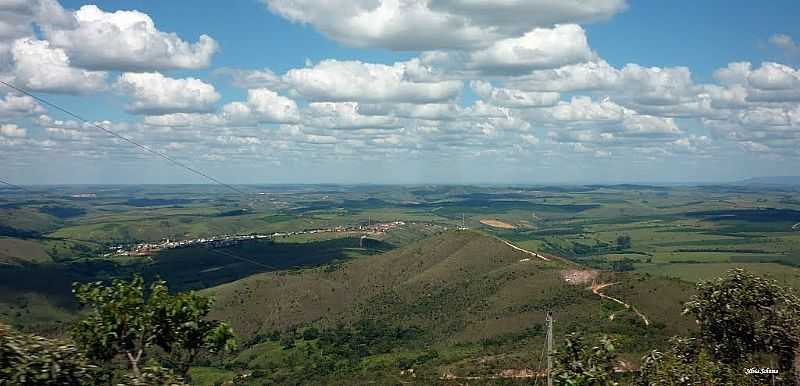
(476, 300)
(15, 251)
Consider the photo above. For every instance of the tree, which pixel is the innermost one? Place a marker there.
(576, 364)
(37, 361)
(686, 363)
(623, 265)
(624, 242)
(125, 321)
(744, 318)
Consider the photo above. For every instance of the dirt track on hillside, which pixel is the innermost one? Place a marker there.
(534, 254)
(596, 290)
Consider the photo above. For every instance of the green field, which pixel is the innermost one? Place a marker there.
(442, 300)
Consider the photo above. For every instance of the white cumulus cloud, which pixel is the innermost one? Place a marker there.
(437, 24)
(340, 81)
(153, 94)
(19, 105)
(262, 106)
(12, 130)
(540, 48)
(513, 98)
(785, 43)
(40, 67)
(126, 41)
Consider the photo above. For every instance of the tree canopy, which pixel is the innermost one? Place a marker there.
(127, 321)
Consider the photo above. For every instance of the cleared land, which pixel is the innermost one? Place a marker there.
(496, 224)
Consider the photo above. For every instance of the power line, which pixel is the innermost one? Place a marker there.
(221, 252)
(20, 187)
(143, 147)
(15, 185)
(126, 139)
(540, 363)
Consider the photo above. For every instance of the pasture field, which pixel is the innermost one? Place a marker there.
(447, 301)
(719, 224)
(787, 276)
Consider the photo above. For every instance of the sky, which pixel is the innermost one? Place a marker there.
(400, 91)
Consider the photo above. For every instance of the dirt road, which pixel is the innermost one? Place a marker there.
(596, 290)
(534, 254)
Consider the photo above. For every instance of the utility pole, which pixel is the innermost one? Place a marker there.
(549, 348)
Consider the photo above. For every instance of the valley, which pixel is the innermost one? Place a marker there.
(453, 282)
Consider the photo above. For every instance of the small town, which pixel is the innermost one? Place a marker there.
(148, 249)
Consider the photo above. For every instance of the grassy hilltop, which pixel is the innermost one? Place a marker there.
(476, 301)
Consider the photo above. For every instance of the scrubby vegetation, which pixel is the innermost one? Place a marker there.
(133, 336)
(423, 304)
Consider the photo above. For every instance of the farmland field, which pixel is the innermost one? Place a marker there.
(332, 258)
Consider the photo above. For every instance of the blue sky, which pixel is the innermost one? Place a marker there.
(423, 91)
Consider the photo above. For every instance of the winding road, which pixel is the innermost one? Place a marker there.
(534, 254)
(596, 290)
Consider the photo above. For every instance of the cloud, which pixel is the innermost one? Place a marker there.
(754, 147)
(40, 67)
(649, 126)
(345, 116)
(505, 97)
(262, 106)
(419, 25)
(603, 122)
(18, 16)
(184, 120)
(785, 43)
(263, 78)
(770, 82)
(126, 41)
(19, 105)
(583, 108)
(774, 76)
(342, 81)
(428, 111)
(155, 94)
(393, 24)
(664, 91)
(541, 48)
(657, 85)
(637, 84)
(514, 16)
(11, 130)
(591, 75)
(529, 139)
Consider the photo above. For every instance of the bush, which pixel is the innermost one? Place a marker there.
(34, 360)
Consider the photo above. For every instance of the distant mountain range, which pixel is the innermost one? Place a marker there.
(776, 180)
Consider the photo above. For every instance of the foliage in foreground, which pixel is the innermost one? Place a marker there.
(578, 364)
(34, 360)
(127, 322)
(745, 322)
(316, 356)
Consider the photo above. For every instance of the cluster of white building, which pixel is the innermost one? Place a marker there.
(147, 249)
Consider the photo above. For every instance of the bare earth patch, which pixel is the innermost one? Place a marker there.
(578, 276)
(496, 224)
